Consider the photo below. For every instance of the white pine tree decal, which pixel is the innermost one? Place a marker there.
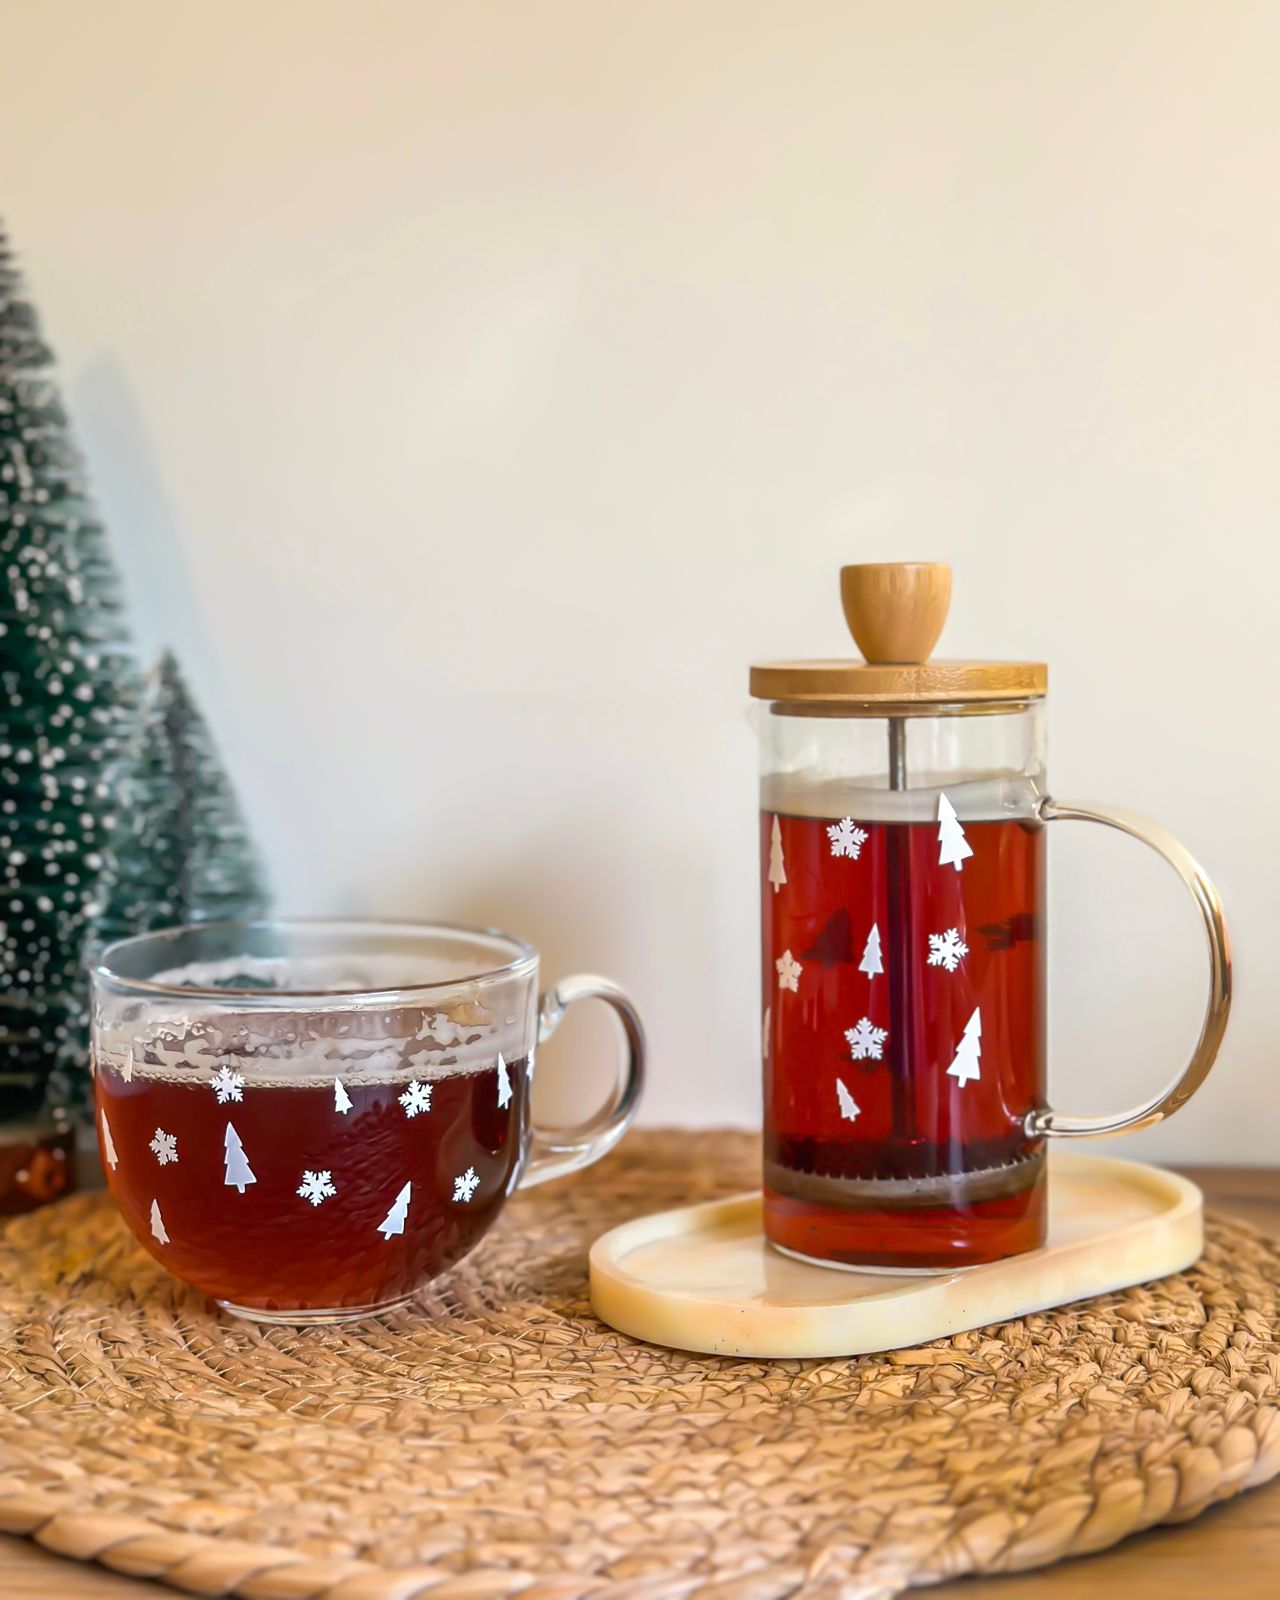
(126, 1071)
(777, 869)
(850, 1110)
(341, 1099)
(157, 1224)
(871, 962)
(393, 1222)
(966, 1065)
(954, 848)
(239, 1174)
(764, 1030)
(504, 1083)
(108, 1145)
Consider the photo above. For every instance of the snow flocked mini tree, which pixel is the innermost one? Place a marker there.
(181, 851)
(66, 694)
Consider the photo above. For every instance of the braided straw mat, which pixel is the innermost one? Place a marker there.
(496, 1440)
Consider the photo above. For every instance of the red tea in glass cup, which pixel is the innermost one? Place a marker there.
(309, 1121)
(902, 840)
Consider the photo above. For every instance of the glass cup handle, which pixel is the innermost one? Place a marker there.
(555, 1151)
(1052, 1123)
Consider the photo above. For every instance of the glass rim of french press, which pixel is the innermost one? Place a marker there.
(915, 710)
(524, 962)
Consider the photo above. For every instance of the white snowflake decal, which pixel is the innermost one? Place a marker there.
(847, 838)
(465, 1186)
(227, 1085)
(417, 1097)
(789, 970)
(947, 949)
(866, 1040)
(164, 1146)
(316, 1186)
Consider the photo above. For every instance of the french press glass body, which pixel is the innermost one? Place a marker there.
(903, 806)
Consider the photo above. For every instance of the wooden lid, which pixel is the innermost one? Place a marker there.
(895, 611)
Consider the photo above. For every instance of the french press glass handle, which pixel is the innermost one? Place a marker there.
(1055, 1124)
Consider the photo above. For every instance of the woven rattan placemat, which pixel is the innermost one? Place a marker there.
(497, 1440)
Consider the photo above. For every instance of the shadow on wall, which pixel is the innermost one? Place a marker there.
(141, 520)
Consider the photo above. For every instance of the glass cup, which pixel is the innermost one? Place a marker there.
(308, 1121)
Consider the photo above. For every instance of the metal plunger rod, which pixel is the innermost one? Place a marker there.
(895, 611)
(899, 942)
(897, 752)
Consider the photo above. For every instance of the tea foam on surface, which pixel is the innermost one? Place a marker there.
(334, 1026)
(811, 793)
(335, 974)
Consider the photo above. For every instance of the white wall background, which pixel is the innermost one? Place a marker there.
(474, 390)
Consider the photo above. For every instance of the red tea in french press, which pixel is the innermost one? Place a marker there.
(903, 805)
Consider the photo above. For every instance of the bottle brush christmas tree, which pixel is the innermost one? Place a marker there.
(181, 851)
(66, 694)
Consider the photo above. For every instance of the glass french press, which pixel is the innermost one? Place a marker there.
(902, 812)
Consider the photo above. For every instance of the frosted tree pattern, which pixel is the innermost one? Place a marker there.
(108, 1145)
(965, 1067)
(393, 1222)
(777, 868)
(871, 963)
(238, 1174)
(954, 849)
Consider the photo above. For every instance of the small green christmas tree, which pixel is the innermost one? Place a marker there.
(66, 695)
(181, 851)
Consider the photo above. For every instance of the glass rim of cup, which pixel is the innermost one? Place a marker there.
(523, 963)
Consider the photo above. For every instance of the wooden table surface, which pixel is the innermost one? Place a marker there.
(1229, 1553)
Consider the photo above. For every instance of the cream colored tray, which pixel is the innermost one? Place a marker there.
(703, 1278)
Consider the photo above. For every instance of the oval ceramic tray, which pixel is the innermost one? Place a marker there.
(703, 1278)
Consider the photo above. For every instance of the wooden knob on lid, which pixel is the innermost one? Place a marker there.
(896, 609)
